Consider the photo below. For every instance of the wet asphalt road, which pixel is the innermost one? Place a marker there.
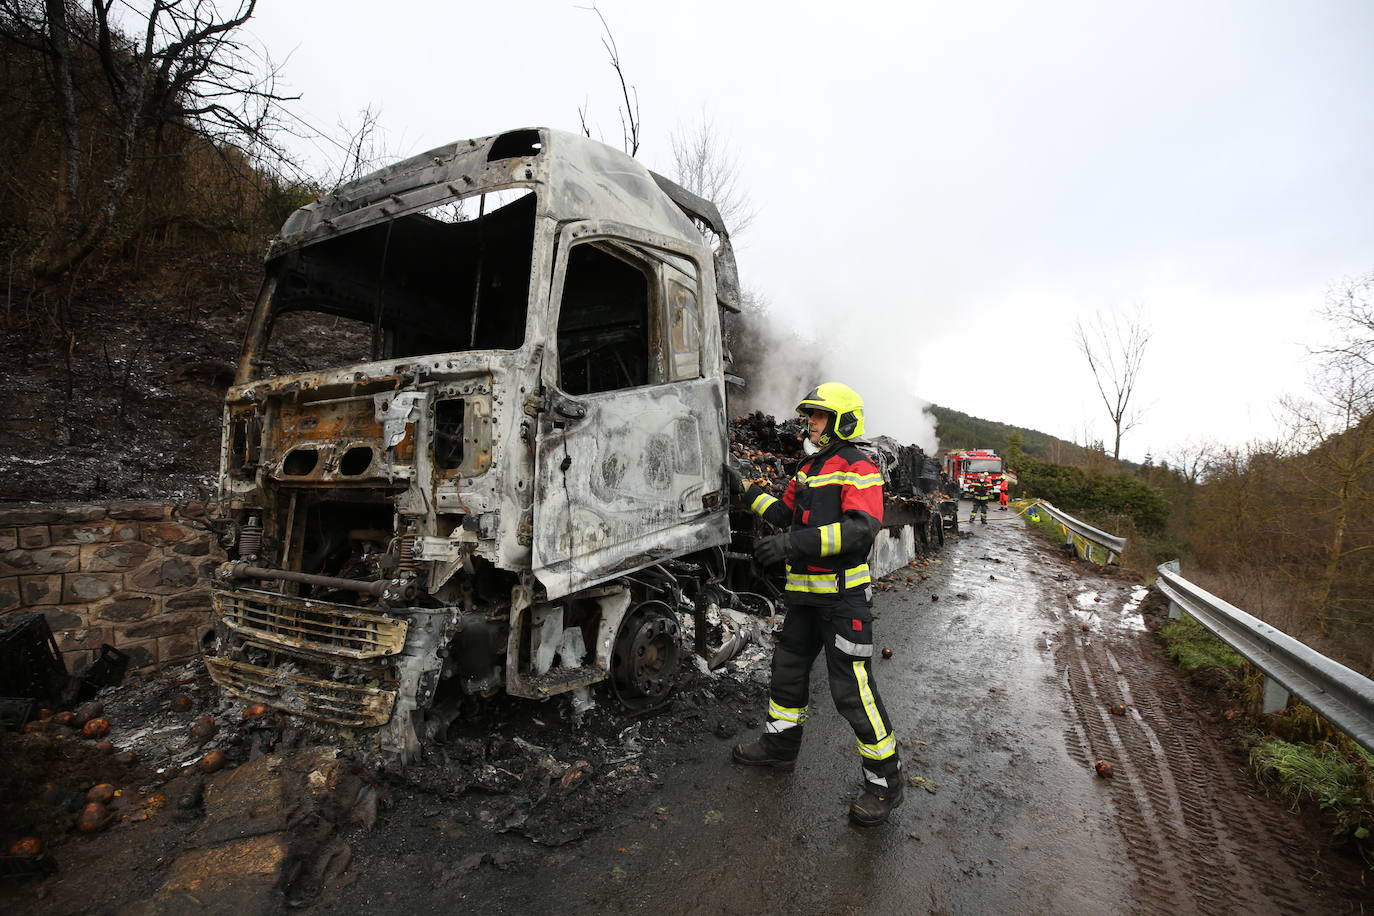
(1013, 821)
(1001, 691)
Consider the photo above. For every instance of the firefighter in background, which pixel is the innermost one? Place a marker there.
(980, 490)
(830, 513)
(1003, 497)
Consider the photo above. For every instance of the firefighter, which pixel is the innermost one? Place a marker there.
(1003, 497)
(980, 490)
(830, 512)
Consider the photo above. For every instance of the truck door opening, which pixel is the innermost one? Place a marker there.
(603, 323)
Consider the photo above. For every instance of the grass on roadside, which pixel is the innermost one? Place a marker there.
(1337, 776)
(1193, 647)
(1295, 752)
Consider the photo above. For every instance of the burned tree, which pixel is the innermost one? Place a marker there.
(629, 115)
(185, 71)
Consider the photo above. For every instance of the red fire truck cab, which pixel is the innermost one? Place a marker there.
(964, 466)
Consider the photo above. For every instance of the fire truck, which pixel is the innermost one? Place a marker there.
(964, 466)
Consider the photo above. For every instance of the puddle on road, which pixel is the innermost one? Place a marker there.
(1086, 610)
(1131, 618)
(1085, 614)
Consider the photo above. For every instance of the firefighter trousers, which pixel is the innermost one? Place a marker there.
(979, 506)
(843, 628)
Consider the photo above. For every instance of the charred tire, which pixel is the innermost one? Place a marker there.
(644, 662)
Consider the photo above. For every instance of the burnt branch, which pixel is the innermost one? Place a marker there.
(186, 69)
(629, 114)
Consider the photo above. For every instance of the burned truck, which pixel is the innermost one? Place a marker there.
(475, 440)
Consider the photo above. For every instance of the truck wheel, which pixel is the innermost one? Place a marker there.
(644, 664)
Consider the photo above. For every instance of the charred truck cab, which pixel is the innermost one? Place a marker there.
(480, 402)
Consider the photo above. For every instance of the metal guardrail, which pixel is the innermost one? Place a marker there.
(1114, 545)
(1341, 696)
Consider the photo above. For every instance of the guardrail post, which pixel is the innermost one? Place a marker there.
(1175, 612)
(1275, 695)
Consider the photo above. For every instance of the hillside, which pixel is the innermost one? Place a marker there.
(116, 390)
(960, 430)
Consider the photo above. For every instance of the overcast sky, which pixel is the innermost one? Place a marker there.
(954, 184)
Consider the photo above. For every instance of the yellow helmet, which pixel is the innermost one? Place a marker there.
(842, 401)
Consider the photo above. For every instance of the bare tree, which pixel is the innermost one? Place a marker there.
(1335, 436)
(1115, 348)
(629, 115)
(363, 148)
(1336, 470)
(704, 165)
(185, 69)
(1350, 309)
(1191, 459)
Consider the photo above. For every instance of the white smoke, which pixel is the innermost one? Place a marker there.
(778, 366)
(891, 405)
(781, 366)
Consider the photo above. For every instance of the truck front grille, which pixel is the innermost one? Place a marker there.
(328, 701)
(320, 627)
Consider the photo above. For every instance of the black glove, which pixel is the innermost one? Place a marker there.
(733, 475)
(773, 548)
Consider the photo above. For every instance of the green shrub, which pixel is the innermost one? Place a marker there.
(1075, 489)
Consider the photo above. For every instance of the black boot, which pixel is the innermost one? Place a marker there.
(754, 754)
(871, 808)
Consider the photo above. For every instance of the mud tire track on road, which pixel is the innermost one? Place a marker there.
(1198, 834)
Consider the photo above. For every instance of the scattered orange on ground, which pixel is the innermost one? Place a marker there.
(93, 817)
(28, 846)
(101, 794)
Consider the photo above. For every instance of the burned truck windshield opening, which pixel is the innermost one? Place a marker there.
(453, 278)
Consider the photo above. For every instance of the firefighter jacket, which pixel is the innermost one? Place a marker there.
(834, 508)
(981, 489)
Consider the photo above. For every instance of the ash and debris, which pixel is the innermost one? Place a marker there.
(509, 775)
(190, 772)
(771, 450)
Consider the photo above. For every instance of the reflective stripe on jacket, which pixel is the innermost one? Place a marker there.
(834, 508)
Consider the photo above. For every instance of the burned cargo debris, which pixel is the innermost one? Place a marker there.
(475, 441)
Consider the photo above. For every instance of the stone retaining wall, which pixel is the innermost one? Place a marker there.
(124, 573)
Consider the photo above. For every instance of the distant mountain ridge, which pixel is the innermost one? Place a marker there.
(960, 430)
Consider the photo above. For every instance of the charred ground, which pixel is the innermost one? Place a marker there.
(115, 382)
(510, 781)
